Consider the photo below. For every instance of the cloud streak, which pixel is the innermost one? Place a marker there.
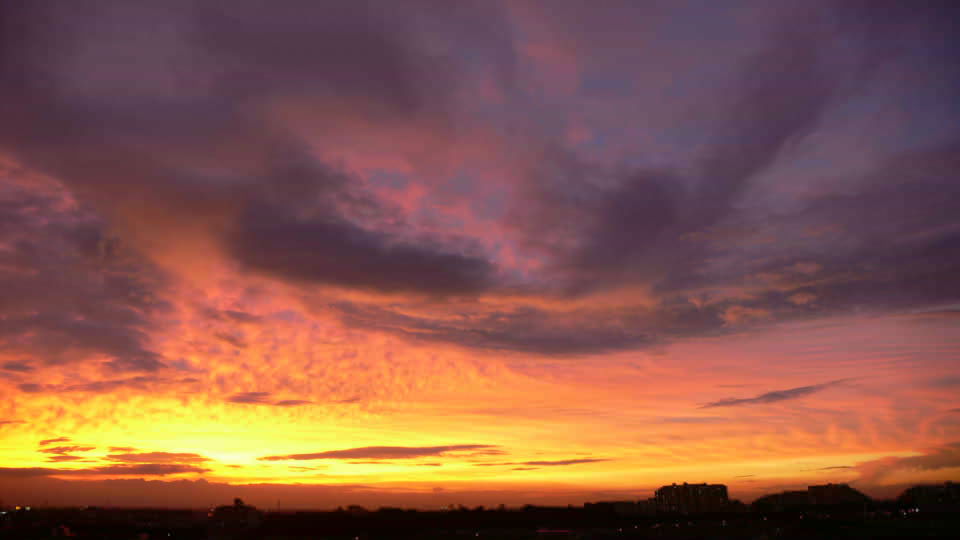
(147, 469)
(382, 452)
(775, 396)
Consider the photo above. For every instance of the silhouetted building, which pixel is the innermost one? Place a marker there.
(834, 494)
(235, 516)
(825, 495)
(620, 508)
(934, 498)
(692, 498)
(781, 502)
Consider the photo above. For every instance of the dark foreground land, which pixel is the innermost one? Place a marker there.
(530, 522)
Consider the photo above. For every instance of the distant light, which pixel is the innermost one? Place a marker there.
(28, 508)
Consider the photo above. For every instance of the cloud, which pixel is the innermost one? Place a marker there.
(157, 457)
(310, 236)
(382, 452)
(292, 402)
(563, 462)
(265, 398)
(146, 469)
(125, 449)
(67, 449)
(64, 457)
(544, 463)
(802, 299)
(775, 396)
(149, 469)
(946, 381)
(73, 292)
(946, 456)
(25, 472)
(250, 397)
(19, 366)
(140, 382)
(269, 240)
(244, 155)
(11, 422)
(524, 329)
(691, 419)
(230, 340)
(51, 441)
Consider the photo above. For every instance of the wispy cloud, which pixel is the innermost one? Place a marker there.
(147, 469)
(67, 449)
(942, 457)
(64, 457)
(250, 397)
(562, 462)
(21, 367)
(51, 441)
(382, 452)
(291, 402)
(158, 457)
(544, 463)
(775, 396)
(143, 382)
(265, 398)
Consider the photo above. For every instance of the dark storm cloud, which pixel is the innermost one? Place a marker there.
(382, 452)
(775, 396)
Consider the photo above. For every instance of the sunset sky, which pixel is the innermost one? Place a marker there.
(421, 253)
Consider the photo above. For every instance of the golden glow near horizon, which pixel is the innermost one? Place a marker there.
(318, 255)
(622, 422)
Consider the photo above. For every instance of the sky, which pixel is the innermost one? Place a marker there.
(425, 253)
